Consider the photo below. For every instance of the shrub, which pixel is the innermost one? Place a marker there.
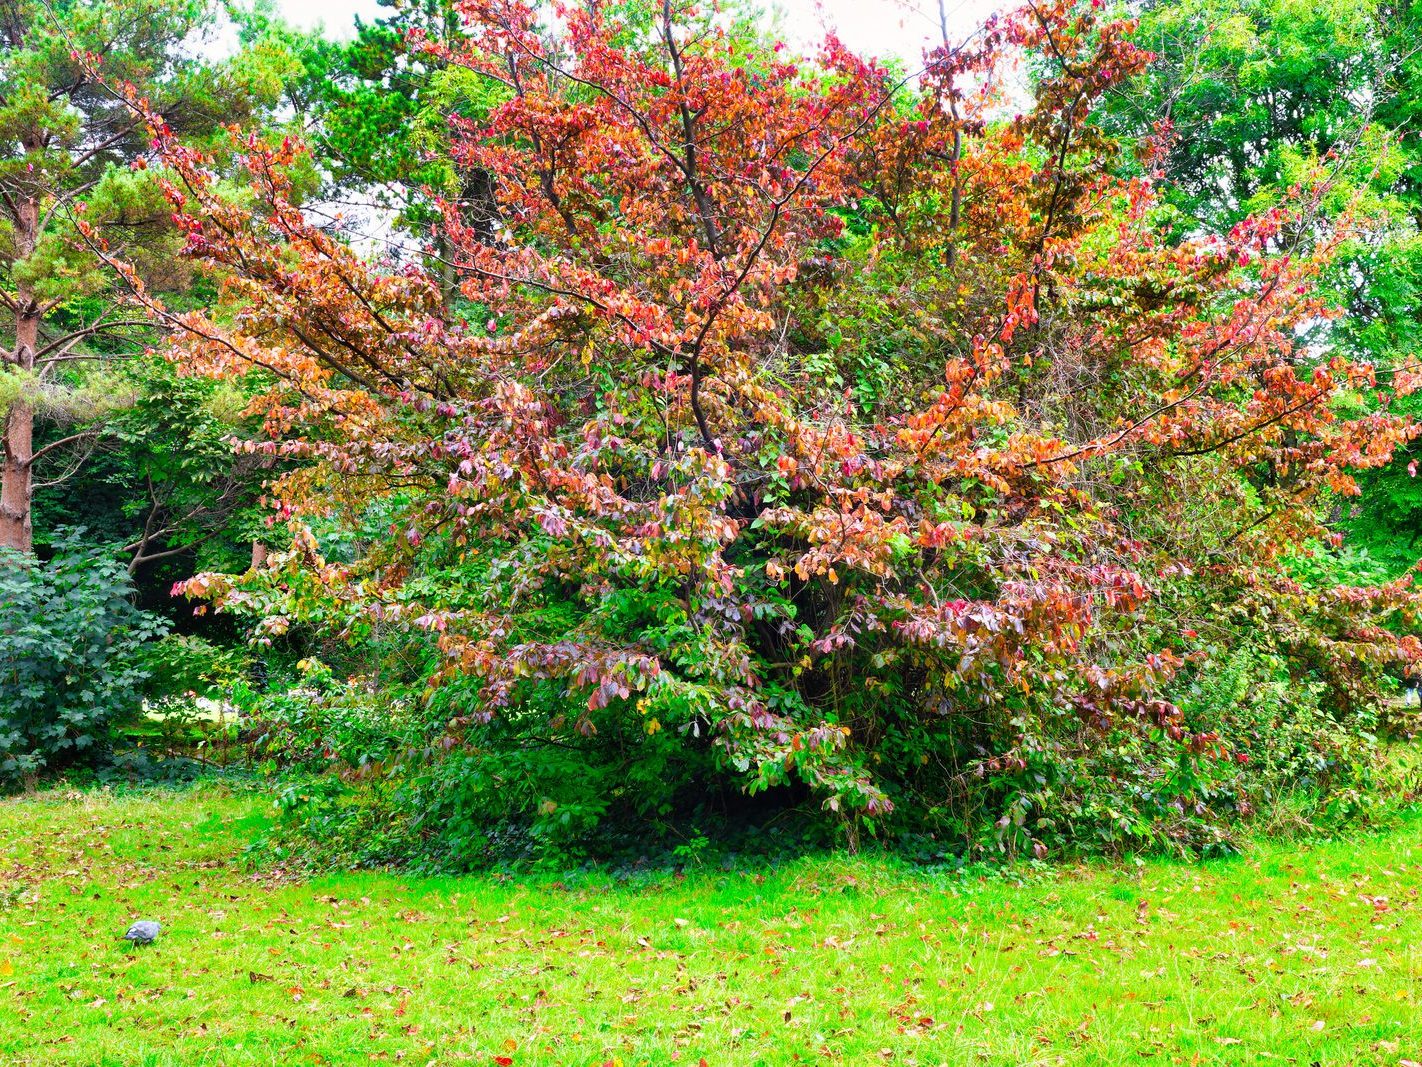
(70, 658)
(183, 666)
(323, 722)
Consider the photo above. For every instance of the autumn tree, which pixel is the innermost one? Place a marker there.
(803, 425)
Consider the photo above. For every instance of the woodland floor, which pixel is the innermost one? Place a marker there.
(1310, 955)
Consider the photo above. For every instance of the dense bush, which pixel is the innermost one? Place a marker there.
(398, 771)
(71, 662)
(319, 721)
(183, 666)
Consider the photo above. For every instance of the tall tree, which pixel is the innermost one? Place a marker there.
(1245, 87)
(379, 111)
(71, 148)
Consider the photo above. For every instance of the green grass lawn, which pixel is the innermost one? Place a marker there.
(1305, 955)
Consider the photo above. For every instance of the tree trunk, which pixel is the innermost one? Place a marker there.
(16, 473)
(15, 531)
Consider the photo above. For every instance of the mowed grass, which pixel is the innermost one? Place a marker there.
(1307, 955)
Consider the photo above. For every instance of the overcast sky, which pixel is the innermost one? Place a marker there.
(874, 27)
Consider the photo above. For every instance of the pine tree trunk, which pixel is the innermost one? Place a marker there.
(16, 473)
(15, 531)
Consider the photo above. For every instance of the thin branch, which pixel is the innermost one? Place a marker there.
(82, 435)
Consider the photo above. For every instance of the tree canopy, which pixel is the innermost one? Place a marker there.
(927, 448)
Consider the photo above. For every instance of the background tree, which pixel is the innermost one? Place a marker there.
(162, 483)
(377, 114)
(1248, 86)
(1255, 93)
(71, 148)
(378, 110)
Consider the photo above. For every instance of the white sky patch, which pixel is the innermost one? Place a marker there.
(870, 27)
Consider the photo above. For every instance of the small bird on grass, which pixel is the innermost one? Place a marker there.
(142, 932)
